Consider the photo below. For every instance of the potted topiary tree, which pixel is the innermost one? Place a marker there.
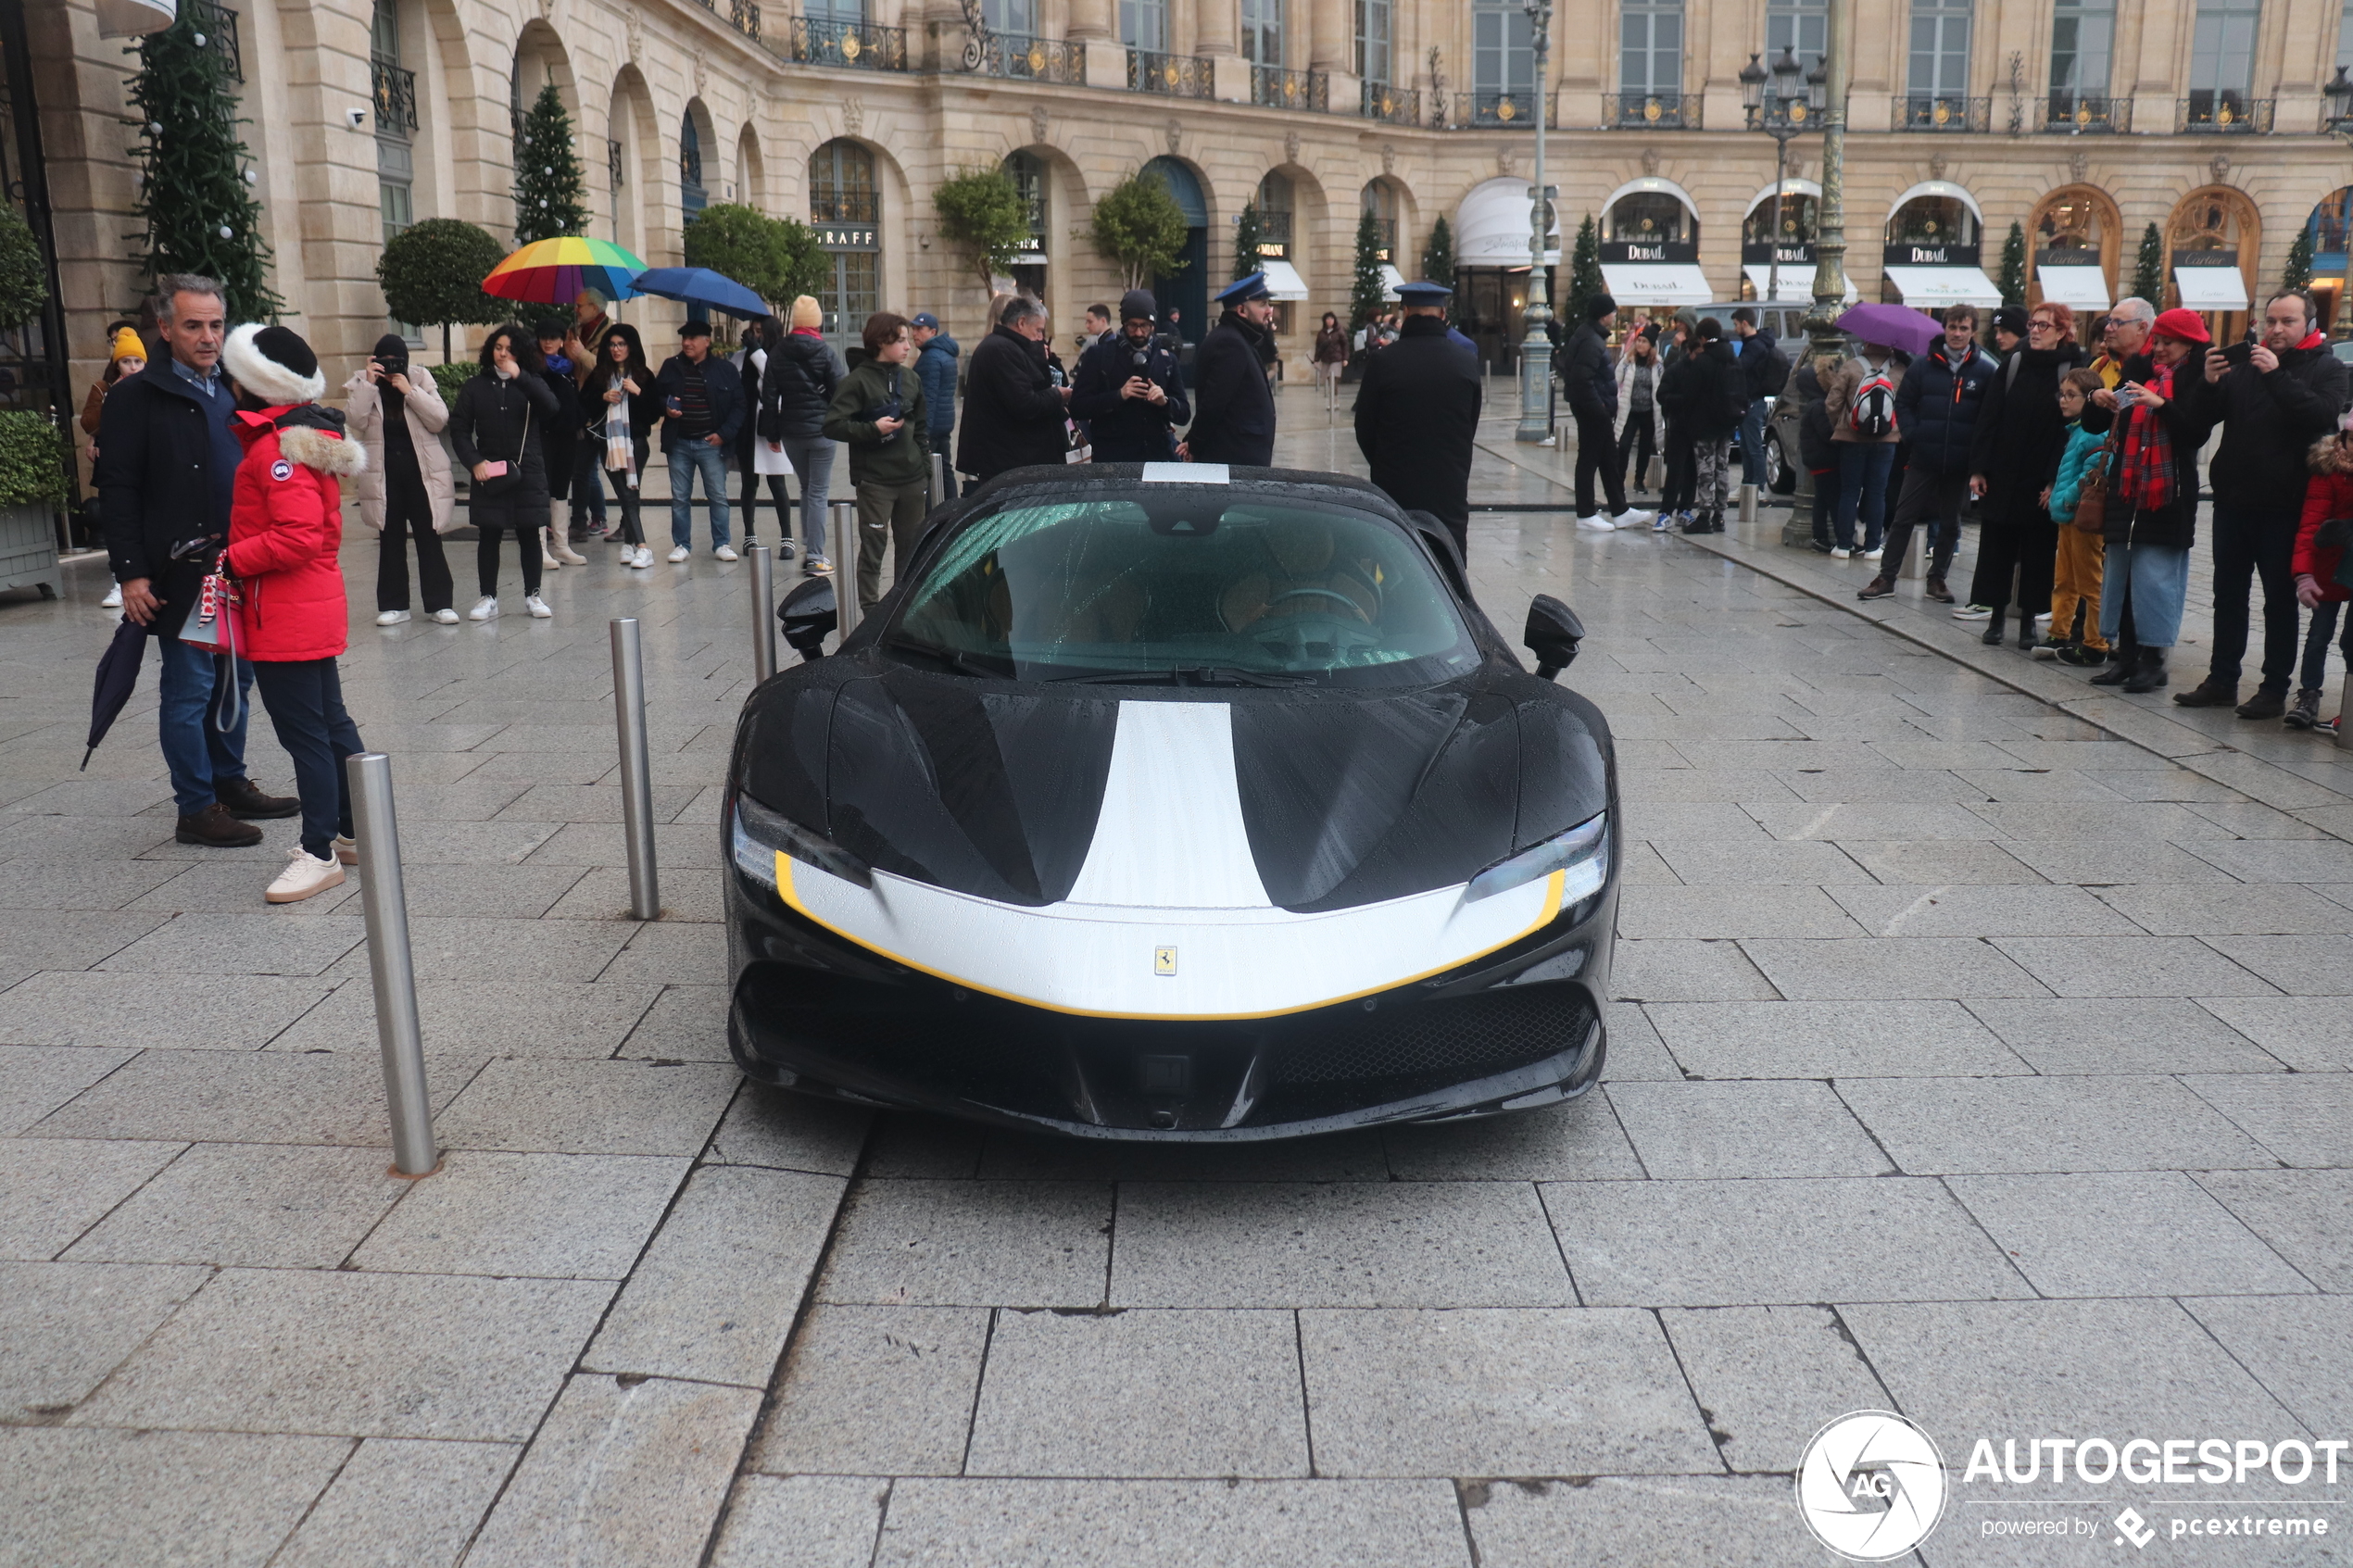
(33, 454)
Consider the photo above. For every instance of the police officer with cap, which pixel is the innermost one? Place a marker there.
(1128, 390)
(1417, 413)
(1234, 407)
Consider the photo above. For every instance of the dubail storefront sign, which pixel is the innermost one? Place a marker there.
(1872, 1485)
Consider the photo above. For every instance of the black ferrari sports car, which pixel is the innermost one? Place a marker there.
(1169, 801)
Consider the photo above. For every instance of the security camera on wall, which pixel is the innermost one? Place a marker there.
(357, 117)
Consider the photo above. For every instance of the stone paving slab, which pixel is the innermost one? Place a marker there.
(65, 1326)
(552, 1216)
(1735, 1522)
(246, 1097)
(249, 1205)
(1764, 1376)
(877, 1391)
(101, 1500)
(400, 1503)
(2076, 1123)
(802, 1522)
(53, 1190)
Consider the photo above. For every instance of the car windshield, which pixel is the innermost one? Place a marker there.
(1186, 583)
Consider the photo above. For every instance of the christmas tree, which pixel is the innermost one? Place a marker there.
(1438, 267)
(196, 178)
(551, 196)
(1585, 280)
(1365, 298)
(1248, 237)
(2148, 270)
(2299, 274)
(2012, 282)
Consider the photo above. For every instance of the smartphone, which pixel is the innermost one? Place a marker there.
(495, 469)
(2237, 353)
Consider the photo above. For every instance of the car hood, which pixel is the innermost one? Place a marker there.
(1307, 799)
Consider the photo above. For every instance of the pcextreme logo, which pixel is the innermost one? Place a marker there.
(1871, 1485)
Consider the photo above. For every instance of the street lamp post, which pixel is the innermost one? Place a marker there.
(1829, 216)
(2339, 94)
(1782, 114)
(1536, 351)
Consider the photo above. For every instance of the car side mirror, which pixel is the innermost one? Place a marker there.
(809, 613)
(1553, 635)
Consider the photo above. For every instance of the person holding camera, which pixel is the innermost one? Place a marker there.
(407, 490)
(879, 414)
(2273, 399)
(1129, 390)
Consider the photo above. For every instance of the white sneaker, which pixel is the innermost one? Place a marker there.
(114, 597)
(485, 609)
(677, 553)
(1836, 554)
(726, 552)
(1629, 518)
(303, 877)
(1594, 522)
(447, 617)
(346, 850)
(646, 556)
(1874, 555)
(1974, 612)
(537, 605)
(392, 617)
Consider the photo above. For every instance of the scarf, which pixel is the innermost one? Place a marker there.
(2145, 479)
(1261, 340)
(621, 451)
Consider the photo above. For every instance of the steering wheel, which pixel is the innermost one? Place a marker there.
(1273, 604)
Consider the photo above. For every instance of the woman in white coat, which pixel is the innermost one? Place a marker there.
(406, 491)
(1639, 433)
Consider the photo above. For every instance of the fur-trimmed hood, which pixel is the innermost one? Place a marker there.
(310, 434)
(2329, 455)
(267, 379)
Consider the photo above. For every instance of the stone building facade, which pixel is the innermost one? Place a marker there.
(2084, 120)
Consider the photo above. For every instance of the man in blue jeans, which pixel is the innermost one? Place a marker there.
(167, 463)
(702, 400)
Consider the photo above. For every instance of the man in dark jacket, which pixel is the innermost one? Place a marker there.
(702, 400)
(936, 355)
(1764, 371)
(1233, 407)
(1936, 409)
(1013, 413)
(1417, 414)
(2285, 394)
(1591, 382)
(1129, 392)
(166, 464)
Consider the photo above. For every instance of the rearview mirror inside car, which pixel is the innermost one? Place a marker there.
(1553, 635)
(808, 613)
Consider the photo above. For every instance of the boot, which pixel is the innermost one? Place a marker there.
(561, 548)
(1937, 590)
(2306, 714)
(1698, 524)
(2120, 666)
(1716, 522)
(2148, 673)
(1994, 623)
(2209, 693)
(2026, 633)
(547, 561)
(1877, 588)
(2265, 704)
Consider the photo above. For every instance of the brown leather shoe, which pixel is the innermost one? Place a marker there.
(246, 802)
(1937, 590)
(2209, 693)
(215, 829)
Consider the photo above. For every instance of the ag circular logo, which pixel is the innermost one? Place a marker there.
(1871, 1485)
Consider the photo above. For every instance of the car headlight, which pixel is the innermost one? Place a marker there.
(756, 834)
(1582, 851)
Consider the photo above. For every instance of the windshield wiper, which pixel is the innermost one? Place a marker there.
(1201, 675)
(962, 663)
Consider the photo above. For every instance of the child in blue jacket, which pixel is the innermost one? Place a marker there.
(2082, 557)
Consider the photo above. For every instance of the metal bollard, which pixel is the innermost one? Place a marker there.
(844, 526)
(390, 969)
(764, 612)
(939, 479)
(1748, 504)
(1915, 560)
(636, 769)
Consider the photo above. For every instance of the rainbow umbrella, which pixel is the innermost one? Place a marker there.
(554, 271)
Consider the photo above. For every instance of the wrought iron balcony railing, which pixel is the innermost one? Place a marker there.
(1179, 76)
(396, 94)
(1027, 59)
(2211, 114)
(219, 24)
(1651, 111)
(1922, 111)
(862, 46)
(2078, 115)
(741, 15)
(1278, 89)
(1490, 111)
(1396, 105)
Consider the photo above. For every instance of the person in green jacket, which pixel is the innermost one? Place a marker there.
(878, 413)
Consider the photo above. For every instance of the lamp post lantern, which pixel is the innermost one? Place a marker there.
(1535, 350)
(1784, 112)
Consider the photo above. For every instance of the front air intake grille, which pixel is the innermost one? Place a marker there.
(1491, 1032)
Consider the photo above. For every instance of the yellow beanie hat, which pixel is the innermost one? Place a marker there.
(126, 346)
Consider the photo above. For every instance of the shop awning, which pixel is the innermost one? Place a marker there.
(2078, 288)
(1283, 281)
(1797, 282)
(1926, 287)
(1656, 282)
(1391, 280)
(2210, 288)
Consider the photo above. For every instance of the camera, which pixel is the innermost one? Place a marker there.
(357, 117)
(2238, 353)
(393, 366)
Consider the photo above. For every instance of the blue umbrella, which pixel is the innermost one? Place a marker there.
(700, 285)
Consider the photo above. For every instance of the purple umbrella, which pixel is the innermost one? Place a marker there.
(1897, 326)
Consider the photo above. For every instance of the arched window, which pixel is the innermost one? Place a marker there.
(1649, 217)
(843, 208)
(1274, 216)
(1380, 200)
(692, 197)
(1028, 171)
(1932, 220)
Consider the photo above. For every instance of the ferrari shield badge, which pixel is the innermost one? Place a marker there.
(1163, 960)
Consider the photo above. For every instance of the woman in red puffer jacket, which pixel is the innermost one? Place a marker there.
(285, 525)
(2328, 495)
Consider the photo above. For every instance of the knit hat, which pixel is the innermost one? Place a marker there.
(1137, 305)
(2186, 325)
(392, 345)
(273, 364)
(126, 345)
(1601, 305)
(2010, 319)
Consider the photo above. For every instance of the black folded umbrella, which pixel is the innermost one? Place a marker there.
(118, 674)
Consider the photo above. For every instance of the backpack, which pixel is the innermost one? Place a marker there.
(1871, 414)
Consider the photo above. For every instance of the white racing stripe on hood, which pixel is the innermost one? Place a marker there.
(1170, 835)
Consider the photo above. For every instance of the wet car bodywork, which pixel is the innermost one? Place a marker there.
(1206, 907)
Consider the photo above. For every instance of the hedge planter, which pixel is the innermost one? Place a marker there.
(29, 550)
